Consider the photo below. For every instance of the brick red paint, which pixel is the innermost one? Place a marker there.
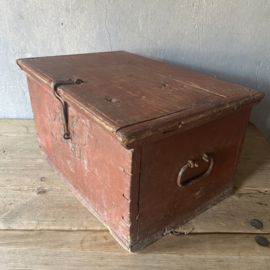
(134, 123)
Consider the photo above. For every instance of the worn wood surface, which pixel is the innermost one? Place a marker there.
(98, 250)
(164, 204)
(93, 163)
(130, 196)
(128, 94)
(43, 226)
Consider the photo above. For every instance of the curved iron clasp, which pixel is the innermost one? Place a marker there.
(64, 112)
(192, 164)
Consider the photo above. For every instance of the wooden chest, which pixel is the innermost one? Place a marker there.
(144, 145)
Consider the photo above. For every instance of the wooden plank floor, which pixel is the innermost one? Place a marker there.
(44, 226)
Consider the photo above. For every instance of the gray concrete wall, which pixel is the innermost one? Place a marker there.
(223, 38)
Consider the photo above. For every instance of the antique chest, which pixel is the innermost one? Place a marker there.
(144, 145)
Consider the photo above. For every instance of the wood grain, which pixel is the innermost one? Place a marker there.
(22, 166)
(98, 250)
(32, 196)
(130, 93)
(93, 162)
(33, 234)
(162, 202)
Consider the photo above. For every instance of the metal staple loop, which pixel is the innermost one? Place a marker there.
(192, 164)
(64, 106)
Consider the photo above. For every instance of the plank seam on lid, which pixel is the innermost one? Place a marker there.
(197, 87)
(149, 60)
(185, 83)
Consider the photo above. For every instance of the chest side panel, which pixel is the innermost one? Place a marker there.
(93, 161)
(162, 202)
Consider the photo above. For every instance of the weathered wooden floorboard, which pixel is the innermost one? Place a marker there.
(98, 250)
(44, 226)
(33, 197)
(48, 207)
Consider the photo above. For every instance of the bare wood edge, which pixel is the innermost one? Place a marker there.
(166, 126)
(34, 72)
(39, 75)
(135, 193)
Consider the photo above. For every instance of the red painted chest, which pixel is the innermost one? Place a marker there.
(146, 146)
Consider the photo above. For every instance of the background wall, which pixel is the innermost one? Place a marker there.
(223, 38)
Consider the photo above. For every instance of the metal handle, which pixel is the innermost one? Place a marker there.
(191, 164)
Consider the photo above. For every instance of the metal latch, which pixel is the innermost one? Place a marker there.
(64, 111)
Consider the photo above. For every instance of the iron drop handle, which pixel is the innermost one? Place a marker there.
(192, 164)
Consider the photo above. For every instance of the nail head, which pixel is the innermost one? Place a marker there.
(262, 241)
(78, 81)
(256, 224)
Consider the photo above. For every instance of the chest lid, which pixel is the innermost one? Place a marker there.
(136, 97)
